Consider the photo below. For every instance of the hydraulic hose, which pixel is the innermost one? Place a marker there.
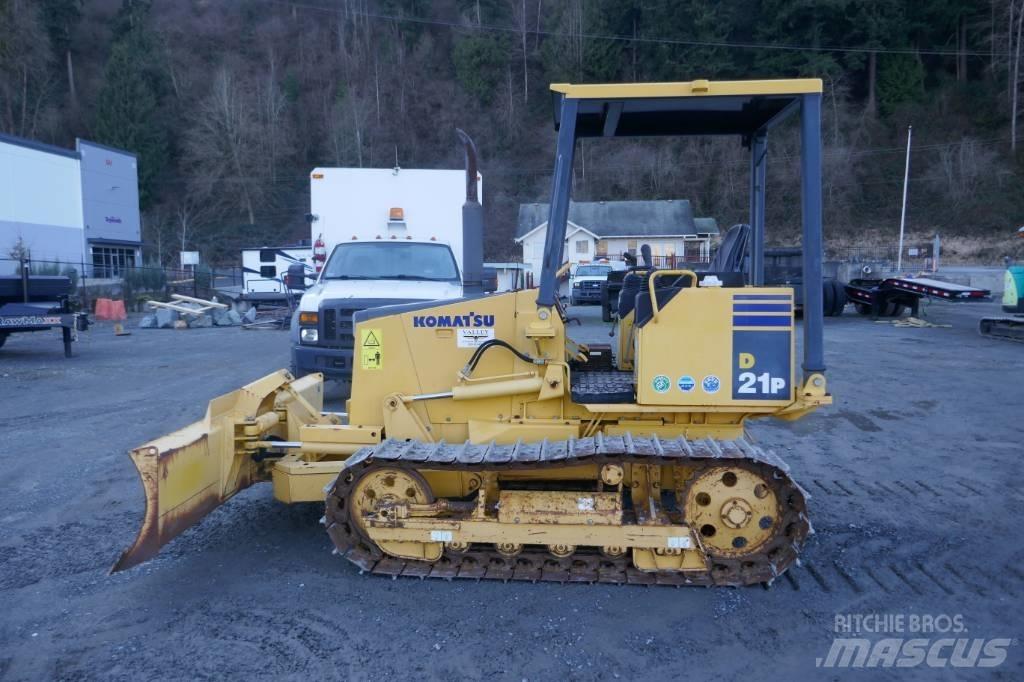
(496, 343)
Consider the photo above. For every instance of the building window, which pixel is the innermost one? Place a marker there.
(631, 246)
(111, 261)
(582, 246)
(602, 248)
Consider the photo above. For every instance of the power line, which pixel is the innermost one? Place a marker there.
(939, 52)
(829, 152)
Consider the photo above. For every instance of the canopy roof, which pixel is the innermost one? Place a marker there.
(697, 107)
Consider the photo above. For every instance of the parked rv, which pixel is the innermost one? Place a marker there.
(264, 269)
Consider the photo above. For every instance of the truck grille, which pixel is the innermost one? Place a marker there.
(336, 327)
(590, 285)
(337, 324)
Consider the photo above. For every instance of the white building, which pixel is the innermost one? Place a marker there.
(78, 208)
(605, 229)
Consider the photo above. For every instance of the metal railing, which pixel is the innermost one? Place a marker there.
(664, 262)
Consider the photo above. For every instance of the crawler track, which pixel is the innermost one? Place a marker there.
(535, 563)
(1005, 328)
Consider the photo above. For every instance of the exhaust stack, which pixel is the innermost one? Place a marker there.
(472, 225)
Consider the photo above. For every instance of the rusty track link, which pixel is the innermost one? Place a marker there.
(536, 564)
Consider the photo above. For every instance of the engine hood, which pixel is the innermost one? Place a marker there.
(378, 288)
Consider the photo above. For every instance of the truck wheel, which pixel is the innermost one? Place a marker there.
(895, 309)
(3, 339)
(839, 295)
(606, 312)
(828, 298)
(862, 308)
(573, 301)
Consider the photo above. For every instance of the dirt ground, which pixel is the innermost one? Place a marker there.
(915, 475)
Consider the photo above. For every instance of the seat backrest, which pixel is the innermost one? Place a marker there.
(632, 283)
(732, 253)
(644, 310)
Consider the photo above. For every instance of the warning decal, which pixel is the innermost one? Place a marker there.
(371, 348)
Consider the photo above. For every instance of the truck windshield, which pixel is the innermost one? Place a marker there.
(392, 260)
(592, 270)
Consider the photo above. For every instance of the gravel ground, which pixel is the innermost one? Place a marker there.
(915, 475)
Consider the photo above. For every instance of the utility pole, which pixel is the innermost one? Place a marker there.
(903, 212)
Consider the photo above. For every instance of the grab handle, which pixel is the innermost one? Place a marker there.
(664, 273)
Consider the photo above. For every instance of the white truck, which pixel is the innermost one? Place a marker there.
(393, 235)
(585, 282)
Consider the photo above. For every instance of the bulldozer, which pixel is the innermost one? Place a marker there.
(481, 441)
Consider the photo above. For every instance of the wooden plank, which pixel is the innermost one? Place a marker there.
(200, 301)
(178, 308)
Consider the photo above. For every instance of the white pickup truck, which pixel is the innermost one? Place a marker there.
(586, 283)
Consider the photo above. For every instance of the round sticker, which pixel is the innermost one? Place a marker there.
(711, 384)
(686, 383)
(661, 383)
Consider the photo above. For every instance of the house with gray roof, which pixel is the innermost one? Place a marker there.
(599, 230)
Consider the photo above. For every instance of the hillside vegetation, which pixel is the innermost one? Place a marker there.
(230, 103)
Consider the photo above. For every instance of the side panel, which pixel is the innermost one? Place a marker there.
(718, 347)
(422, 351)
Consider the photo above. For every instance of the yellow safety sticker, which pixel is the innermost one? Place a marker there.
(371, 348)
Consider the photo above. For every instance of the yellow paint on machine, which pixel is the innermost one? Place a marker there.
(692, 338)
(695, 88)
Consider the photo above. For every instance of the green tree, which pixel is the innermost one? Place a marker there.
(128, 113)
(804, 24)
(60, 18)
(25, 68)
(681, 20)
(900, 81)
(480, 62)
(581, 48)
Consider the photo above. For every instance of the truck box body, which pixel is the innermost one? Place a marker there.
(349, 203)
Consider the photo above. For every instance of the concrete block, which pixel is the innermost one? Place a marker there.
(200, 321)
(166, 318)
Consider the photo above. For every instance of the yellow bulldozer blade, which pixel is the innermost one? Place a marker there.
(189, 473)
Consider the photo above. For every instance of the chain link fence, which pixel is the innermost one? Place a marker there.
(916, 257)
(135, 284)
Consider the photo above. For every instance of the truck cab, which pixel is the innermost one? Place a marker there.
(358, 275)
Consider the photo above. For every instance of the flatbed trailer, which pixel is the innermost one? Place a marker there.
(889, 297)
(34, 303)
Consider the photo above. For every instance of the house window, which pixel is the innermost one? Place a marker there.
(582, 246)
(602, 248)
(631, 246)
(111, 261)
